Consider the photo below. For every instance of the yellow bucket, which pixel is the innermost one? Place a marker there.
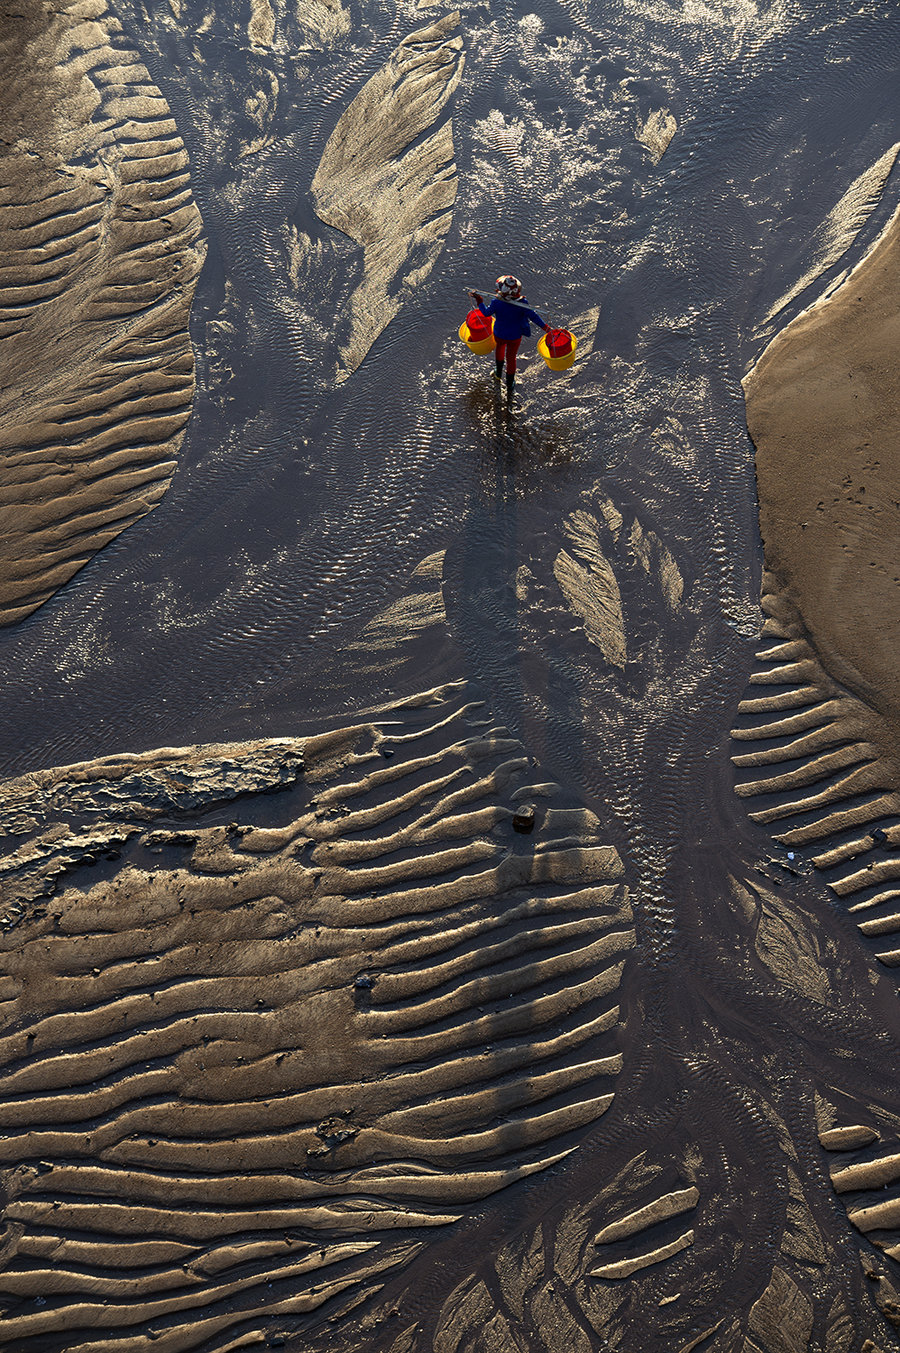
(557, 363)
(481, 345)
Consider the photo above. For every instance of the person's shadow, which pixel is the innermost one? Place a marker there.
(529, 686)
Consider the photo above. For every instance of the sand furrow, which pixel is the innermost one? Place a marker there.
(827, 735)
(135, 1255)
(640, 1237)
(887, 899)
(865, 1171)
(397, 986)
(103, 1314)
(798, 698)
(661, 1209)
(624, 1268)
(505, 984)
(175, 1336)
(816, 769)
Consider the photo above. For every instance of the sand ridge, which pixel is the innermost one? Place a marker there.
(389, 181)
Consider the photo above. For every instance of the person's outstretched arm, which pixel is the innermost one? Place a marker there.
(479, 300)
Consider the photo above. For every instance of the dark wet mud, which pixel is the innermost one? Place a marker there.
(358, 1063)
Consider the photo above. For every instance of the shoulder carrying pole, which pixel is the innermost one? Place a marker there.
(523, 305)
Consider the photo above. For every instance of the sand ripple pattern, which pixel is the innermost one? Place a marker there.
(100, 254)
(864, 1168)
(243, 1063)
(818, 761)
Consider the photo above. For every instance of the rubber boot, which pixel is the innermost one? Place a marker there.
(498, 372)
(510, 385)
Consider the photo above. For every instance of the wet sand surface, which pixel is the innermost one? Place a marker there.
(389, 961)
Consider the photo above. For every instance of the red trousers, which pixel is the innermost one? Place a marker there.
(507, 348)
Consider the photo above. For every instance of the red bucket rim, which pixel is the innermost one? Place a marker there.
(559, 342)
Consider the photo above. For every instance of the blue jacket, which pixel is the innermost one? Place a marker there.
(510, 321)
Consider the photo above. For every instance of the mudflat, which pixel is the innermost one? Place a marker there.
(448, 847)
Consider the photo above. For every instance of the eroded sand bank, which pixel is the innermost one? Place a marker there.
(823, 408)
(823, 729)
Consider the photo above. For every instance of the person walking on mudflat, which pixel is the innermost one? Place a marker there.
(511, 314)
